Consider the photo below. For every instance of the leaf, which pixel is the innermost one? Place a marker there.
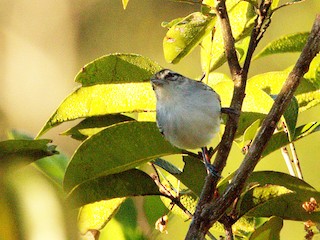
(93, 125)
(248, 134)
(307, 93)
(280, 139)
(255, 106)
(290, 117)
(285, 44)
(117, 68)
(24, 151)
(103, 99)
(268, 230)
(192, 176)
(259, 195)
(189, 201)
(169, 167)
(185, 35)
(187, 198)
(241, 15)
(52, 166)
(97, 215)
(125, 3)
(287, 206)
(117, 185)
(116, 149)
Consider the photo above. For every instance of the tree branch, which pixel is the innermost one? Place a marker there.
(208, 212)
(239, 77)
(214, 210)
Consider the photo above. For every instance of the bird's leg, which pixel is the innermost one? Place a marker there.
(207, 163)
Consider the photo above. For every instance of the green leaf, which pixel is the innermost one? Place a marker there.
(285, 44)
(268, 230)
(117, 68)
(97, 215)
(248, 134)
(53, 166)
(259, 195)
(169, 167)
(286, 206)
(24, 151)
(113, 186)
(241, 15)
(153, 208)
(115, 149)
(185, 35)
(103, 99)
(290, 117)
(280, 139)
(125, 3)
(255, 106)
(93, 125)
(307, 93)
(192, 176)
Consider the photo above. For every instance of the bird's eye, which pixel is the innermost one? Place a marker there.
(171, 76)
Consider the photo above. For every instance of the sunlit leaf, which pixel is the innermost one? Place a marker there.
(256, 103)
(248, 134)
(93, 125)
(307, 93)
(274, 4)
(117, 68)
(268, 230)
(259, 195)
(280, 139)
(185, 35)
(288, 43)
(241, 15)
(97, 215)
(125, 3)
(103, 99)
(24, 151)
(113, 186)
(116, 149)
(188, 200)
(287, 206)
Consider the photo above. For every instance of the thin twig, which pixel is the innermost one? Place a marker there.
(286, 157)
(296, 160)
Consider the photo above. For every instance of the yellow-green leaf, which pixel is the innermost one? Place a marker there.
(185, 35)
(117, 68)
(103, 99)
(97, 215)
(116, 149)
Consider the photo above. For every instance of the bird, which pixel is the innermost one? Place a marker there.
(188, 112)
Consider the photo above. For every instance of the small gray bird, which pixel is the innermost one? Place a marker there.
(188, 111)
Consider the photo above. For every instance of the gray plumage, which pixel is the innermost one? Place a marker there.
(188, 111)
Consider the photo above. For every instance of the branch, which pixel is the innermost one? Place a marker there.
(207, 211)
(215, 210)
(239, 77)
